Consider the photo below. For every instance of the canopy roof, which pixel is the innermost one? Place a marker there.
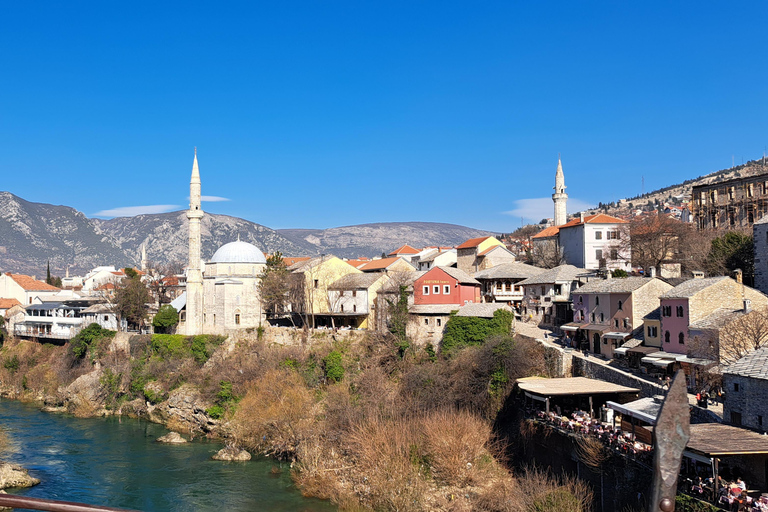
(570, 386)
(716, 439)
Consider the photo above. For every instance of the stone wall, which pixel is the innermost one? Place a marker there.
(760, 237)
(294, 336)
(750, 401)
(586, 367)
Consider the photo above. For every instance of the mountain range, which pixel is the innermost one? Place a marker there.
(32, 234)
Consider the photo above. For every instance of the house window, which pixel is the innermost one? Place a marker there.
(317, 283)
(436, 289)
(760, 420)
(614, 254)
(602, 318)
(593, 318)
(597, 300)
(426, 321)
(426, 290)
(439, 322)
(679, 311)
(750, 190)
(342, 308)
(581, 299)
(354, 308)
(613, 235)
(447, 289)
(626, 323)
(616, 322)
(542, 290)
(598, 235)
(736, 386)
(237, 317)
(666, 311)
(599, 254)
(106, 318)
(214, 319)
(652, 331)
(736, 418)
(681, 338)
(354, 293)
(621, 306)
(666, 337)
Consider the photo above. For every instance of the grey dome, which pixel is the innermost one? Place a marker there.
(238, 252)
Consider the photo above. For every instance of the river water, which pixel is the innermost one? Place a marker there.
(116, 462)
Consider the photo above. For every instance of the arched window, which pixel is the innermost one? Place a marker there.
(597, 300)
(679, 311)
(620, 306)
(681, 338)
(602, 318)
(666, 337)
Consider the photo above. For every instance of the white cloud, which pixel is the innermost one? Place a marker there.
(533, 210)
(132, 211)
(214, 199)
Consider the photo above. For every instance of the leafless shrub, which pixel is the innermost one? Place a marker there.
(591, 452)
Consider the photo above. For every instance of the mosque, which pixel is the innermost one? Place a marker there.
(223, 293)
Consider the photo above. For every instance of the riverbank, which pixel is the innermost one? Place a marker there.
(362, 422)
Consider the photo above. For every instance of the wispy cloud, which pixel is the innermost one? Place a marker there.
(214, 199)
(533, 210)
(132, 211)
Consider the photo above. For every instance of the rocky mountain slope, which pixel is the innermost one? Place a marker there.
(31, 234)
(374, 239)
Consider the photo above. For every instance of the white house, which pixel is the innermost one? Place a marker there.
(24, 289)
(596, 241)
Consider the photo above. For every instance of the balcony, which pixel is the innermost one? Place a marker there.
(47, 331)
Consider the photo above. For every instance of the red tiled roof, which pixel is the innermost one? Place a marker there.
(547, 232)
(405, 249)
(599, 218)
(290, 260)
(9, 303)
(473, 242)
(359, 262)
(30, 284)
(378, 264)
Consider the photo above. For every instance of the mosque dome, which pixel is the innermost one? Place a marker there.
(238, 252)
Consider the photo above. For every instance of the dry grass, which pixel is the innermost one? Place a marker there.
(591, 452)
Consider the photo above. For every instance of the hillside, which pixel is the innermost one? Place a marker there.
(31, 234)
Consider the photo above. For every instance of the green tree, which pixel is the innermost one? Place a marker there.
(462, 331)
(733, 250)
(166, 319)
(48, 273)
(131, 298)
(398, 320)
(274, 286)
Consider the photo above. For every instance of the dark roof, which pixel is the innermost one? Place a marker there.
(691, 287)
(754, 364)
(717, 319)
(512, 270)
(615, 285)
(483, 310)
(563, 273)
(715, 439)
(654, 315)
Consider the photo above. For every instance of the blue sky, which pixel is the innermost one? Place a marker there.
(322, 114)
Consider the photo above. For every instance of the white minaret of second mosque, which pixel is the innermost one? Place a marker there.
(560, 197)
(194, 320)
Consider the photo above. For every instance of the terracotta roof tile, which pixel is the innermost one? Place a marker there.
(473, 242)
(9, 303)
(405, 249)
(378, 264)
(599, 218)
(547, 232)
(30, 284)
(290, 260)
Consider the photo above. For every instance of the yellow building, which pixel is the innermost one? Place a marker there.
(471, 255)
(312, 278)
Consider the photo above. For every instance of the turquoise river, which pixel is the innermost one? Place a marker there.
(116, 462)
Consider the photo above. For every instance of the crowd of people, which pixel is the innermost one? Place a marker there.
(731, 495)
(581, 422)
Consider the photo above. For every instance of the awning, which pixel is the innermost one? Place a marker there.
(616, 335)
(642, 350)
(696, 456)
(663, 363)
(596, 327)
(697, 361)
(620, 350)
(631, 412)
(573, 326)
(649, 359)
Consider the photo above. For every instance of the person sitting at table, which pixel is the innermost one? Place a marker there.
(741, 484)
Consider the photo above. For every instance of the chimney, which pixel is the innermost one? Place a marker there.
(747, 303)
(581, 217)
(698, 274)
(652, 272)
(738, 275)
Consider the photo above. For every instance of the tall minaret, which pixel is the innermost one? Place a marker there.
(144, 263)
(560, 197)
(194, 320)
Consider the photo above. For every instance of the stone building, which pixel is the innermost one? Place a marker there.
(547, 296)
(481, 253)
(501, 282)
(760, 247)
(223, 294)
(738, 202)
(746, 391)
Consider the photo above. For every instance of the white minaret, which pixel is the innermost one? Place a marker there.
(144, 257)
(194, 320)
(560, 197)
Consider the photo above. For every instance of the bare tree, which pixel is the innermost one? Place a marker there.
(745, 334)
(547, 253)
(654, 239)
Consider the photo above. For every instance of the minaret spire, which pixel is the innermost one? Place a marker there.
(194, 319)
(560, 198)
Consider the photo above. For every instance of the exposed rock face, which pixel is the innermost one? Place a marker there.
(232, 453)
(32, 233)
(171, 438)
(12, 475)
(85, 393)
(187, 406)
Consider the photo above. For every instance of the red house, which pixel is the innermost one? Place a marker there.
(446, 285)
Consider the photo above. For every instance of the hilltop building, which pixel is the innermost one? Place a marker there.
(738, 202)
